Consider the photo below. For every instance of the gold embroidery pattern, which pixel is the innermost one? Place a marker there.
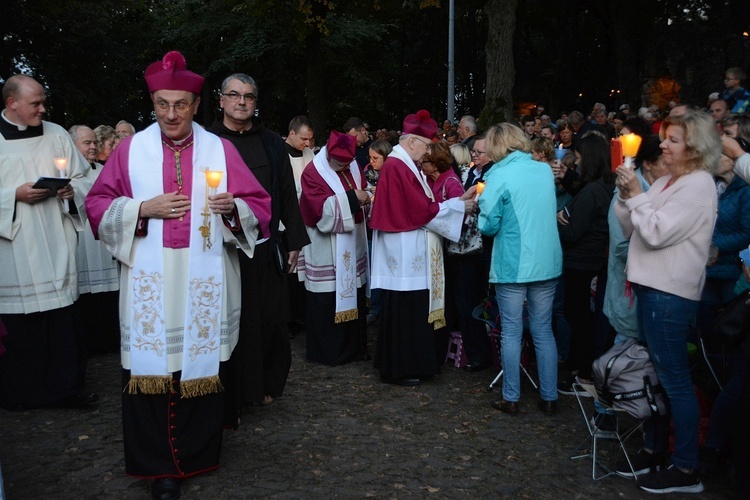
(203, 332)
(438, 282)
(148, 323)
(348, 283)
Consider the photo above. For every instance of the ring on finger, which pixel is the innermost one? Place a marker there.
(173, 210)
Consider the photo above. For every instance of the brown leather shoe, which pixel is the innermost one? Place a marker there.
(509, 407)
(549, 408)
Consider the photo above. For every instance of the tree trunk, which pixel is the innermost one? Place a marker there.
(501, 73)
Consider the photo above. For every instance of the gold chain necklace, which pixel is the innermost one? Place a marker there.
(177, 154)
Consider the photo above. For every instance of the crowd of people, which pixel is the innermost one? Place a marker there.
(199, 252)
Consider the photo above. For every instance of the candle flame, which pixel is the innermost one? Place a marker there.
(630, 144)
(213, 178)
(61, 163)
(480, 187)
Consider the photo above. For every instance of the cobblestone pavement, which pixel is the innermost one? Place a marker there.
(336, 433)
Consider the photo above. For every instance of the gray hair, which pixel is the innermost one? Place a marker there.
(125, 122)
(74, 131)
(470, 122)
(247, 79)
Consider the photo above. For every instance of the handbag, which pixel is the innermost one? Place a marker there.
(732, 324)
(470, 242)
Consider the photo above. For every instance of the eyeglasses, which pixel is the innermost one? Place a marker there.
(425, 142)
(477, 152)
(178, 106)
(234, 96)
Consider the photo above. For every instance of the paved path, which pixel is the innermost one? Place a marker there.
(336, 433)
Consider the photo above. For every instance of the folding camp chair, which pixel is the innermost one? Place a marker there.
(624, 427)
(488, 313)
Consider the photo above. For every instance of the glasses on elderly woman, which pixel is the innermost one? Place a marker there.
(477, 152)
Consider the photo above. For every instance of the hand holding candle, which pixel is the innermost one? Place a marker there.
(630, 144)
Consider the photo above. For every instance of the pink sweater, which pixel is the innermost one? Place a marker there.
(670, 233)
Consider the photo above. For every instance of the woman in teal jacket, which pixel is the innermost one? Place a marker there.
(517, 209)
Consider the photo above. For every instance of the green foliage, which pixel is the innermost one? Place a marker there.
(376, 59)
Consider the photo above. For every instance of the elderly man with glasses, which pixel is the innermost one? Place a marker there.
(407, 262)
(177, 240)
(261, 362)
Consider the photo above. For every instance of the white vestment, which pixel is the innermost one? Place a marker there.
(38, 241)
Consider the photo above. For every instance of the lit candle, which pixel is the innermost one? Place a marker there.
(61, 163)
(560, 152)
(630, 144)
(480, 188)
(213, 179)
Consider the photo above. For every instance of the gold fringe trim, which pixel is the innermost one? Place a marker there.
(200, 386)
(437, 318)
(344, 316)
(149, 384)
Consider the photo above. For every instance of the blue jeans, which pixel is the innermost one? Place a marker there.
(560, 325)
(665, 321)
(510, 299)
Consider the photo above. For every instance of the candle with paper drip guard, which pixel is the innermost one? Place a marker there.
(61, 164)
(560, 152)
(480, 189)
(630, 144)
(213, 180)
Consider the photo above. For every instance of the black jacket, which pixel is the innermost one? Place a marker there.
(585, 238)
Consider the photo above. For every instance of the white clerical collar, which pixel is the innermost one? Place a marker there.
(20, 127)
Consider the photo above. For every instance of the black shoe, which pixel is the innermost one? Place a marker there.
(475, 367)
(671, 480)
(77, 401)
(565, 384)
(165, 488)
(409, 382)
(509, 407)
(405, 382)
(643, 462)
(549, 408)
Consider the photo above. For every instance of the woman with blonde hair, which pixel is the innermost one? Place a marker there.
(670, 228)
(517, 209)
(105, 142)
(462, 157)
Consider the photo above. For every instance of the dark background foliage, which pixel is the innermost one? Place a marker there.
(376, 59)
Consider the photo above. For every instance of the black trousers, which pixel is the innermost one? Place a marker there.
(39, 366)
